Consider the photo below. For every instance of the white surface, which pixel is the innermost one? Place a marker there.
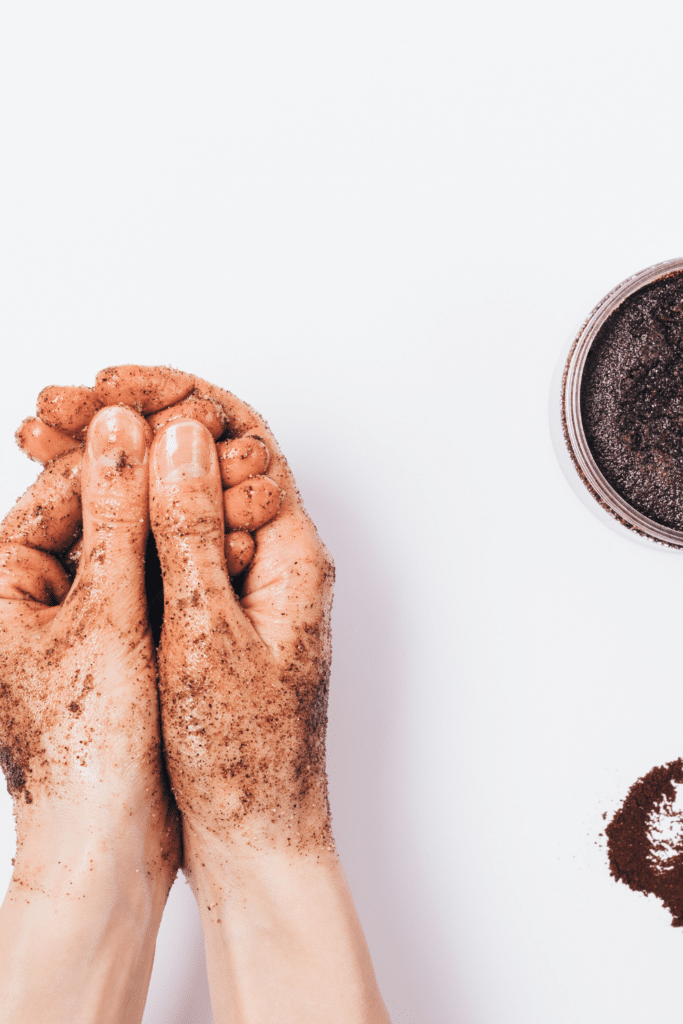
(379, 223)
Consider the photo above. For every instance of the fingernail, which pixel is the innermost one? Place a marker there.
(183, 451)
(117, 432)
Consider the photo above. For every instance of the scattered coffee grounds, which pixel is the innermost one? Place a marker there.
(632, 400)
(645, 838)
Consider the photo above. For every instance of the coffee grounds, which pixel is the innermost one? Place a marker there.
(632, 400)
(641, 853)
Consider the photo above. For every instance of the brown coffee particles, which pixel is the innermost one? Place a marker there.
(645, 838)
(632, 400)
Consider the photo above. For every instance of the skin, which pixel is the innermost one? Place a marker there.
(242, 679)
(201, 409)
(70, 412)
(242, 458)
(42, 442)
(239, 551)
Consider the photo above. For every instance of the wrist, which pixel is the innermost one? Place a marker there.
(281, 930)
(78, 927)
(277, 820)
(79, 923)
(75, 850)
(250, 859)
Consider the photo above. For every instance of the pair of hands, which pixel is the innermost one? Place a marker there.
(231, 707)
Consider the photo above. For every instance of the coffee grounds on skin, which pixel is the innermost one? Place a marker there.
(640, 858)
(632, 400)
(15, 776)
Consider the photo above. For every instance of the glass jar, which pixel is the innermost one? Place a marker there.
(567, 426)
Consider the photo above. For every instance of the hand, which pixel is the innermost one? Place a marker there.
(97, 835)
(243, 677)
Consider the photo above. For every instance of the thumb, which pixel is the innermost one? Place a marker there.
(114, 487)
(186, 501)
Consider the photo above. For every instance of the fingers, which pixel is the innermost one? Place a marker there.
(288, 540)
(146, 388)
(239, 551)
(186, 503)
(204, 410)
(42, 442)
(64, 412)
(242, 458)
(114, 486)
(68, 409)
(252, 504)
(48, 515)
(30, 575)
(244, 421)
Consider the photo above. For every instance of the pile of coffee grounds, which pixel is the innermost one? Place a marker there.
(639, 854)
(632, 400)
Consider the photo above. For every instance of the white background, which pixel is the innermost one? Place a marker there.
(380, 223)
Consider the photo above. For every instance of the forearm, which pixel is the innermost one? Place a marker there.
(76, 962)
(77, 931)
(283, 939)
